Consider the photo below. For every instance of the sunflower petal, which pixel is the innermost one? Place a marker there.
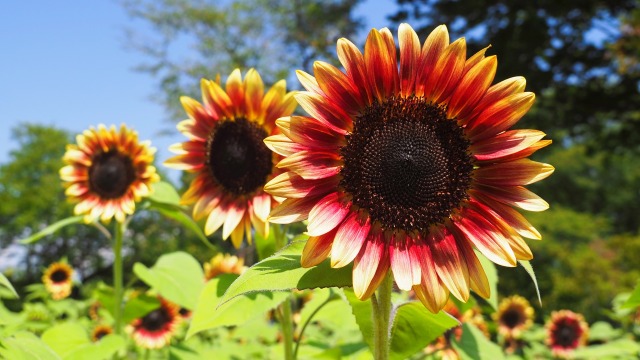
(348, 240)
(327, 214)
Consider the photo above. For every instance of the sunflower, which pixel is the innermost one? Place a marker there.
(223, 264)
(100, 331)
(226, 152)
(514, 315)
(155, 329)
(57, 280)
(107, 172)
(566, 331)
(410, 169)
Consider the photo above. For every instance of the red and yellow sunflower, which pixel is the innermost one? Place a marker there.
(156, 328)
(514, 316)
(107, 172)
(407, 167)
(223, 264)
(566, 331)
(57, 279)
(100, 331)
(226, 152)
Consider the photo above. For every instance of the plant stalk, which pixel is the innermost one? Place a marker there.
(381, 303)
(117, 276)
(286, 318)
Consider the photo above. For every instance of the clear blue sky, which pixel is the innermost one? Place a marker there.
(64, 63)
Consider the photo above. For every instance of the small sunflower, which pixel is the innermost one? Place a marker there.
(566, 331)
(57, 280)
(407, 167)
(155, 329)
(226, 152)
(223, 264)
(100, 331)
(107, 172)
(514, 316)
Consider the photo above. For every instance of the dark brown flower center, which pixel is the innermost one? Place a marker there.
(566, 334)
(156, 319)
(237, 156)
(59, 276)
(111, 174)
(512, 317)
(406, 163)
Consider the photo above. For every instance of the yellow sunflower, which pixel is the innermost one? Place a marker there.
(57, 280)
(225, 151)
(407, 167)
(100, 331)
(223, 264)
(107, 172)
(514, 316)
(156, 328)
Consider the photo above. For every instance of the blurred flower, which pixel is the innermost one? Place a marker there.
(107, 172)
(100, 331)
(514, 315)
(442, 347)
(566, 331)
(155, 329)
(57, 280)
(226, 152)
(409, 170)
(94, 310)
(223, 264)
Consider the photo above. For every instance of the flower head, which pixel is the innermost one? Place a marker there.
(514, 315)
(108, 171)
(57, 280)
(155, 329)
(408, 168)
(226, 152)
(100, 331)
(566, 331)
(223, 264)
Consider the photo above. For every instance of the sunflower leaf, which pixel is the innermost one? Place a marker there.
(527, 266)
(176, 276)
(176, 213)
(283, 272)
(25, 345)
(474, 345)
(414, 327)
(106, 348)
(492, 275)
(164, 193)
(362, 311)
(52, 228)
(634, 299)
(236, 311)
(65, 338)
(6, 283)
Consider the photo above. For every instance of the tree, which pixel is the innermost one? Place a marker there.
(274, 36)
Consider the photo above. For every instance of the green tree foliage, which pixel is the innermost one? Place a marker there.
(208, 38)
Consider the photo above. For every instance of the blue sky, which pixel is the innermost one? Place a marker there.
(65, 64)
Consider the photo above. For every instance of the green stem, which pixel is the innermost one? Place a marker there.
(381, 303)
(117, 276)
(304, 326)
(286, 320)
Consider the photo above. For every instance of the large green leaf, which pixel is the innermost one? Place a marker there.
(527, 266)
(177, 214)
(164, 193)
(139, 307)
(474, 345)
(282, 272)
(52, 228)
(65, 338)
(6, 283)
(492, 275)
(634, 299)
(210, 312)
(362, 311)
(414, 327)
(617, 349)
(101, 350)
(27, 346)
(176, 276)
